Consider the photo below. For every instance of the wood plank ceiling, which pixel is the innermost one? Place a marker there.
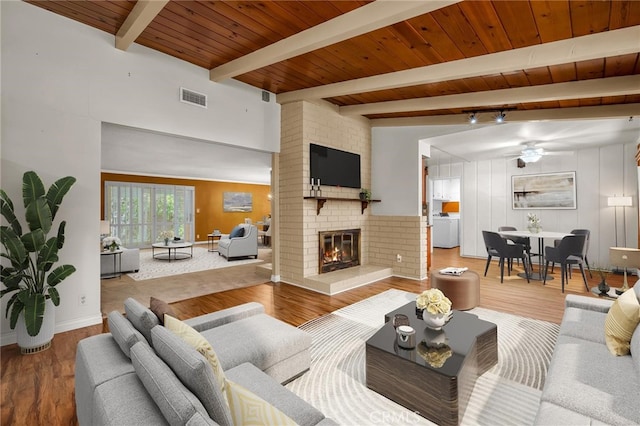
(210, 34)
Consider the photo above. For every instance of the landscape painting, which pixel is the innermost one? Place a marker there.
(544, 191)
(237, 202)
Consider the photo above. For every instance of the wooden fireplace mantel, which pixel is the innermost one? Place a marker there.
(321, 200)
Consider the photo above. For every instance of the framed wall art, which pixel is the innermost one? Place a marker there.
(237, 202)
(544, 191)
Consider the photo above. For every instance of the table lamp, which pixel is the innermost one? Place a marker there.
(624, 257)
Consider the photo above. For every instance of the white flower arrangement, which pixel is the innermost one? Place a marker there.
(163, 235)
(533, 220)
(111, 242)
(434, 301)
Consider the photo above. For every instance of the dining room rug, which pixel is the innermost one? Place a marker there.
(202, 260)
(507, 394)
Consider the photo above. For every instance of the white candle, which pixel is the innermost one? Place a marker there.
(318, 181)
(312, 181)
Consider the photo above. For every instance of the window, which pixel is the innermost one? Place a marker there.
(139, 212)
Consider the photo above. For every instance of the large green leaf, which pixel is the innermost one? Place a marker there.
(38, 215)
(6, 208)
(55, 296)
(56, 276)
(34, 304)
(32, 187)
(34, 241)
(16, 251)
(48, 255)
(60, 237)
(16, 307)
(11, 278)
(57, 191)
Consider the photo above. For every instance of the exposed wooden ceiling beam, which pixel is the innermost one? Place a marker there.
(140, 17)
(613, 86)
(594, 46)
(367, 18)
(576, 113)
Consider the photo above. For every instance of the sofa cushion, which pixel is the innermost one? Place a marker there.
(141, 317)
(265, 387)
(160, 308)
(247, 408)
(584, 377)
(124, 401)
(123, 332)
(237, 232)
(583, 324)
(177, 404)
(621, 322)
(261, 340)
(194, 372)
(200, 344)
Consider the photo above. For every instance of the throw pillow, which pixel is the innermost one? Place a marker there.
(160, 308)
(123, 332)
(236, 232)
(248, 408)
(141, 317)
(199, 343)
(621, 321)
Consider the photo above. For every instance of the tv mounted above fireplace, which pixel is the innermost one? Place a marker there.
(334, 167)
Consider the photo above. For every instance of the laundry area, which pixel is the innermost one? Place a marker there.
(445, 214)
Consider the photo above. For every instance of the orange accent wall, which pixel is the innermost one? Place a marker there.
(209, 214)
(450, 207)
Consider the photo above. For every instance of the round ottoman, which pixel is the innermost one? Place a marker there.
(462, 290)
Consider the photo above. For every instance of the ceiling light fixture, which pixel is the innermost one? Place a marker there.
(500, 117)
(472, 118)
(531, 154)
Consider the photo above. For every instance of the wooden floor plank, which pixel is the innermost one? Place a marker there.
(39, 389)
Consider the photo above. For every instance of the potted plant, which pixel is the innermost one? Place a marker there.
(365, 194)
(31, 276)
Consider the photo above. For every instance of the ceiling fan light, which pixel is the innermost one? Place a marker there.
(531, 155)
(473, 119)
(500, 117)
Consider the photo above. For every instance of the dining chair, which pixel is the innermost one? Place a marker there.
(498, 247)
(565, 255)
(585, 248)
(525, 241)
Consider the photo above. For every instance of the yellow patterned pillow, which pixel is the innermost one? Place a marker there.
(621, 321)
(199, 343)
(248, 409)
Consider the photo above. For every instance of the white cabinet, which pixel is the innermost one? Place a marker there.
(445, 232)
(446, 189)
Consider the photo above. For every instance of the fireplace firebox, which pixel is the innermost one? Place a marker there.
(339, 249)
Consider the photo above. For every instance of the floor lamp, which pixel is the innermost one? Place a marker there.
(626, 257)
(620, 202)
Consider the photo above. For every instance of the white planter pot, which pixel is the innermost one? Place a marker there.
(42, 341)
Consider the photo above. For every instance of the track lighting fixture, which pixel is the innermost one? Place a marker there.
(472, 118)
(500, 117)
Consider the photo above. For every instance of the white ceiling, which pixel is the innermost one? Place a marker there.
(135, 151)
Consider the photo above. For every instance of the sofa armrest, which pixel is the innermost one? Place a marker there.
(225, 316)
(588, 303)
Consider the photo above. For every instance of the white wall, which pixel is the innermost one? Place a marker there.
(600, 172)
(60, 81)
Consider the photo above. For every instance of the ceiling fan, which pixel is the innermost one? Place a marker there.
(532, 153)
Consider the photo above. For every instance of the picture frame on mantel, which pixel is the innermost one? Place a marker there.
(544, 191)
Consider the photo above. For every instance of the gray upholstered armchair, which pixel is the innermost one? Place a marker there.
(242, 242)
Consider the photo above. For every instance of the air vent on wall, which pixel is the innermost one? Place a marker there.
(193, 98)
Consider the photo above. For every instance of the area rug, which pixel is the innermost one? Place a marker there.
(202, 260)
(508, 394)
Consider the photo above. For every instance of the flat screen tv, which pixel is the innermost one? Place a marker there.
(334, 167)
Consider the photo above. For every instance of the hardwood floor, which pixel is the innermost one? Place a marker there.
(39, 389)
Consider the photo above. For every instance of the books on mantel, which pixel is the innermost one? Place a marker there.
(453, 271)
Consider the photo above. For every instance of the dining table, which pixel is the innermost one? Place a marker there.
(540, 235)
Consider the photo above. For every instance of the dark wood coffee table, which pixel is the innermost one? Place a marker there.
(439, 394)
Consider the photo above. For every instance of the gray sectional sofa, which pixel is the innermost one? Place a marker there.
(141, 373)
(585, 383)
